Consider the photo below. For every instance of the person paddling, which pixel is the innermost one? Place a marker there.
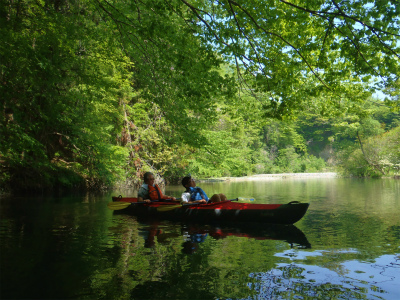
(149, 191)
(197, 195)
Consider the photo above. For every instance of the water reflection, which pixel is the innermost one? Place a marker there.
(170, 260)
(192, 242)
(353, 280)
(76, 248)
(194, 234)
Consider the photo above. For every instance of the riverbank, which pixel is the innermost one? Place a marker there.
(264, 177)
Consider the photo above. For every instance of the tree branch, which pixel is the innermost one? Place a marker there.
(376, 167)
(284, 40)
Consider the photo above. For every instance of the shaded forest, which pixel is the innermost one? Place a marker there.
(95, 93)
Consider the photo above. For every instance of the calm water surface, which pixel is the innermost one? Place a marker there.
(346, 247)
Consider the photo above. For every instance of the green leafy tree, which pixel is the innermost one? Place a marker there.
(281, 44)
(62, 76)
(379, 156)
(95, 91)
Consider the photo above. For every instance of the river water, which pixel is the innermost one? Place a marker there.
(347, 246)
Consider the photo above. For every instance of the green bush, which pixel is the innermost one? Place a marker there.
(381, 156)
(288, 160)
(313, 164)
(355, 165)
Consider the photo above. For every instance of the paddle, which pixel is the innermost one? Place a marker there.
(121, 205)
(171, 207)
(118, 205)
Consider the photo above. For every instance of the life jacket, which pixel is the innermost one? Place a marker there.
(155, 193)
(196, 193)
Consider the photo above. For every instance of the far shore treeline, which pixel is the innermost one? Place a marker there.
(95, 93)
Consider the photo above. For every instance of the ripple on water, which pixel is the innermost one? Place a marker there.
(348, 280)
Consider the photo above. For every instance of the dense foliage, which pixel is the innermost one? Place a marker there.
(95, 93)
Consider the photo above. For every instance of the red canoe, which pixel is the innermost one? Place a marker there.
(226, 211)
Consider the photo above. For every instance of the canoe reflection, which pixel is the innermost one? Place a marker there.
(288, 233)
(195, 234)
